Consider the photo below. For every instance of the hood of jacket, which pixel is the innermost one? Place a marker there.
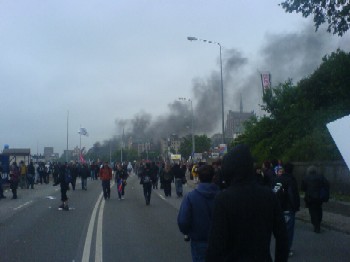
(208, 190)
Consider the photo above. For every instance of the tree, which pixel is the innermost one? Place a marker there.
(295, 129)
(335, 12)
(202, 143)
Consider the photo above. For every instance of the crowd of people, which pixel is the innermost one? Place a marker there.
(229, 216)
(237, 207)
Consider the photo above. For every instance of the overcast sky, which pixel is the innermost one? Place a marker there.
(105, 61)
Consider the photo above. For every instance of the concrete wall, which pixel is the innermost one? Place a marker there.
(337, 174)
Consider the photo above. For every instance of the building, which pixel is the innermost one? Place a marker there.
(48, 153)
(234, 122)
(170, 145)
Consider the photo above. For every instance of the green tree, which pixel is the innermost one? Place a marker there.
(295, 128)
(336, 13)
(202, 144)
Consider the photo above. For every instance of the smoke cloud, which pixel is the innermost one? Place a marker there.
(286, 56)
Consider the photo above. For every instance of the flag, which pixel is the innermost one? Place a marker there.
(266, 81)
(83, 131)
(82, 160)
(120, 186)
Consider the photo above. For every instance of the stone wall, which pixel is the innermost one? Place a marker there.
(337, 174)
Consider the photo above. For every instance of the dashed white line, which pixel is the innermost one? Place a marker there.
(23, 205)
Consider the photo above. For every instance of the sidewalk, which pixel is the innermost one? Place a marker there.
(336, 214)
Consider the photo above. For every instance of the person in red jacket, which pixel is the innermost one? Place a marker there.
(105, 175)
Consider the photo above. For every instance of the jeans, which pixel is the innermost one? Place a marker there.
(198, 250)
(178, 186)
(289, 217)
(84, 183)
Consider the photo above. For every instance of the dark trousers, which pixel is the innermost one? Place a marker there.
(64, 197)
(315, 211)
(1, 190)
(30, 181)
(147, 190)
(74, 182)
(106, 188)
(167, 188)
(14, 186)
(84, 183)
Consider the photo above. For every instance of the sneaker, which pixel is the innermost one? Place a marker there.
(123, 198)
(66, 208)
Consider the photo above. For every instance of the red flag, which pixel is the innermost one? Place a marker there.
(82, 160)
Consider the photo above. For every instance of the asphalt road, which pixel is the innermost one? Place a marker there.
(33, 229)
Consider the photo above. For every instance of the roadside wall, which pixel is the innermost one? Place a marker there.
(337, 174)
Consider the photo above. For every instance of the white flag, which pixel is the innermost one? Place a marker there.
(339, 130)
(83, 131)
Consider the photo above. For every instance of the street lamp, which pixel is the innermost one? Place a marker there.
(191, 38)
(192, 125)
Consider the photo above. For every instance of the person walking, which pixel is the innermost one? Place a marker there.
(155, 171)
(120, 178)
(313, 185)
(105, 175)
(285, 186)
(2, 196)
(245, 215)
(23, 175)
(74, 169)
(84, 173)
(30, 175)
(41, 172)
(14, 179)
(64, 178)
(166, 179)
(179, 177)
(195, 214)
(146, 182)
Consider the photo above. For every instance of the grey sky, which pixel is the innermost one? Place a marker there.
(109, 60)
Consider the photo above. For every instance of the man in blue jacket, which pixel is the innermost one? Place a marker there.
(195, 215)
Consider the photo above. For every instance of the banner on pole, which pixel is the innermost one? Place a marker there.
(265, 81)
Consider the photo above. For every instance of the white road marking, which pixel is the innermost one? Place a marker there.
(23, 205)
(51, 197)
(98, 252)
(87, 245)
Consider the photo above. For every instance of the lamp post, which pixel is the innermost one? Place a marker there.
(191, 38)
(192, 125)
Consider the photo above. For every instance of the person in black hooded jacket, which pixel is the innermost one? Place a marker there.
(64, 184)
(311, 185)
(245, 215)
(286, 188)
